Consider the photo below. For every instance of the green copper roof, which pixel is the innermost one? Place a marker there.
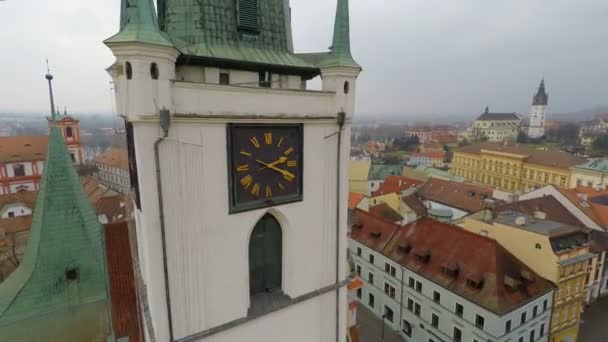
(340, 54)
(139, 25)
(381, 172)
(597, 165)
(65, 235)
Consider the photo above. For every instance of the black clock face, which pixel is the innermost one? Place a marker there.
(265, 165)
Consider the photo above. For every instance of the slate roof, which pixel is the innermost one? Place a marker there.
(64, 235)
(499, 117)
(381, 171)
(467, 197)
(557, 159)
(396, 184)
(469, 255)
(23, 148)
(114, 157)
(596, 165)
(384, 211)
(549, 205)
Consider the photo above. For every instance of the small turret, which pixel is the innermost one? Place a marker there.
(541, 98)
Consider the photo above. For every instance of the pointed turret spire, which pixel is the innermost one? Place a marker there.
(139, 24)
(340, 54)
(487, 110)
(541, 98)
(49, 78)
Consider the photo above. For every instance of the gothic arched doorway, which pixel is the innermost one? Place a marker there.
(265, 256)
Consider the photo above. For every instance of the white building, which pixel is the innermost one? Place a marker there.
(113, 169)
(240, 171)
(496, 127)
(538, 113)
(431, 281)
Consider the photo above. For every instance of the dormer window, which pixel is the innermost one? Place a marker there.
(72, 275)
(248, 15)
(404, 248)
(423, 256)
(375, 235)
(450, 269)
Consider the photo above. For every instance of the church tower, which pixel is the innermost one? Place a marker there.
(239, 171)
(538, 112)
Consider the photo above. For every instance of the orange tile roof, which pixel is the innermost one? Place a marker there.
(430, 155)
(464, 196)
(595, 206)
(470, 256)
(23, 148)
(28, 198)
(115, 157)
(356, 283)
(125, 314)
(16, 224)
(549, 205)
(386, 212)
(374, 232)
(396, 184)
(354, 199)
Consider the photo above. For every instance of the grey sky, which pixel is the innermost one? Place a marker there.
(419, 56)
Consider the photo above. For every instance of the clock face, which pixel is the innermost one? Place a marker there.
(265, 165)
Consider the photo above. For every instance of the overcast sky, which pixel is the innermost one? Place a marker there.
(419, 56)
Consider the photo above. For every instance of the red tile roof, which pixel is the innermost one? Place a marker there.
(374, 232)
(115, 157)
(16, 224)
(592, 202)
(430, 155)
(469, 256)
(125, 314)
(396, 184)
(23, 148)
(464, 196)
(549, 205)
(28, 198)
(354, 199)
(415, 204)
(386, 212)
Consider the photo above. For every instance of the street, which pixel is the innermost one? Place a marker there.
(370, 327)
(595, 322)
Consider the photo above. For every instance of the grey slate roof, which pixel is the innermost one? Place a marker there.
(499, 117)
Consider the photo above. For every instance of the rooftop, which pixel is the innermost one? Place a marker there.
(463, 196)
(415, 204)
(592, 202)
(597, 165)
(381, 171)
(499, 117)
(548, 205)
(23, 148)
(396, 184)
(384, 211)
(372, 231)
(354, 199)
(114, 157)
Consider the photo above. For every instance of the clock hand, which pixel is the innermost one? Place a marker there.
(281, 160)
(272, 167)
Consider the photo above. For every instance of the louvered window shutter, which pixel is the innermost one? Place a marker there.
(248, 15)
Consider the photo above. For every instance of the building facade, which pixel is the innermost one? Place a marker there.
(592, 174)
(512, 168)
(248, 176)
(113, 169)
(412, 284)
(558, 252)
(430, 133)
(495, 127)
(433, 159)
(538, 114)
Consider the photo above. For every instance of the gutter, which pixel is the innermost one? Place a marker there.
(165, 124)
(341, 120)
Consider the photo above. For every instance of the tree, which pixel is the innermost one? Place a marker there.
(601, 143)
(522, 138)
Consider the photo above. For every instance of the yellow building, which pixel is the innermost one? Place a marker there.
(512, 168)
(358, 173)
(557, 252)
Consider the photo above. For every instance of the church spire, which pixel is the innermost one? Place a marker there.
(139, 24)
(541, 98)
(340, 54)
(49, 78)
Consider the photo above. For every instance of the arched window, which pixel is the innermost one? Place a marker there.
(129, 70)
(69, 132)
(154, 71)
(265, 257)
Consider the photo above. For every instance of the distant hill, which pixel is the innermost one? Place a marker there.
(581, 115)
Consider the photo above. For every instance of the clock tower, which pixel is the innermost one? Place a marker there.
(239, 172)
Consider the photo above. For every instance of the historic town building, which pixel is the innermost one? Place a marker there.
(433, 281)
(512, 168)
(239, 171)
(113, 169)
(538, 114)
(495, 127)
(556, 251)
(592, 174)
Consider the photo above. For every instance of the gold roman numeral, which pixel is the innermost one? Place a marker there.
(281, 186)
(245, 153)
(288, 177)
(255, 142)
(280, 142)
(292, 163)
(255, 191)
(268, 191)
(288, 151)
(242, 168)
(246, 181)
(268, 138)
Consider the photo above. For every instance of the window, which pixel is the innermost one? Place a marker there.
(534, 311)
(72, 275)
(72, 157)
(225, 80)
(508, 326)
(370, 278)
(538, 246)
(371, 258)
(264, 79)
(128, 70)
(436, 297)
(358, 270)
(479, 321)
(545, 305)
(11, 214)
(523, 318)
(417, 309)
(359, 251)
(19, 170)
(359, 293)
(154, 71)
(407, 328)
(393, 271)
(265, 256)
(457, 335)
(69, 132)
(459, 310)
(387, 267)
(521, 339)
(133, 164)
(411, 282)
(388, 313)
(410, 304)
(542, 330)
(248, 15)
(434, 320)
(370, 300)
(346, 87)
(532, 335)
(418, 286)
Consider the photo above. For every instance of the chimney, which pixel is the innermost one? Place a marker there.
(520, 220)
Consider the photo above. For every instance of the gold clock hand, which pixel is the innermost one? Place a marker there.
(281, 160)
(272, 167)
